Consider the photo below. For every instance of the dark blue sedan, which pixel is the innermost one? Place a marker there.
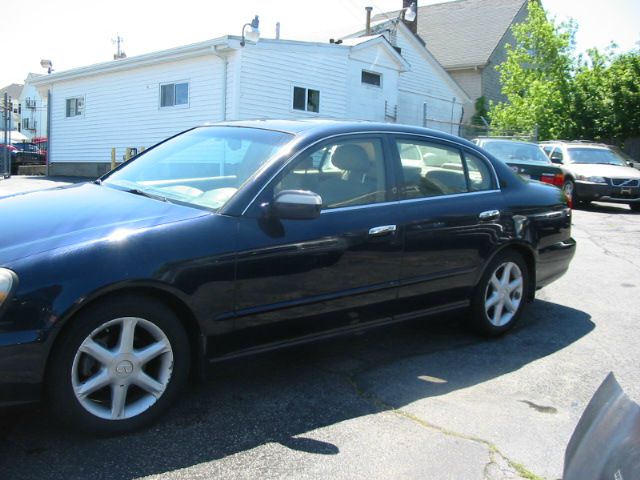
(233, 239)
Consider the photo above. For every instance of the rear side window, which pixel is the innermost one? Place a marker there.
(480, 177)
(431, 170)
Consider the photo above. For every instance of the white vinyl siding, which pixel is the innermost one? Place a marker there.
(269, 72)
(426, 84)
(124, 109)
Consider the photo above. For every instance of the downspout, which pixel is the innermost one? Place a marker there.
(48, 159)
(225, 60)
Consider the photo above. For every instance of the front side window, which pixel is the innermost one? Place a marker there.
(74, 107)
(306, 99)
(202, 167)
(431, 170)
(344, 173)
(172, 94)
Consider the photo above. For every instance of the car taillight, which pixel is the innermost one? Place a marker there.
(556, 179)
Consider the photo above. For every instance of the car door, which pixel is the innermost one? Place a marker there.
(450, 220)
(300, 278)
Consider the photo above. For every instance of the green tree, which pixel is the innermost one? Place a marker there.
(590, 103)
(624, 95)
(536, 77)
(606, 96)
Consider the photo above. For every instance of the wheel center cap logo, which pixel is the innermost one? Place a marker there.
(124, 368)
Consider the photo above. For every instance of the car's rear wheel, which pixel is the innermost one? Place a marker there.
(569, 189)
(118, 366)
(500, 295)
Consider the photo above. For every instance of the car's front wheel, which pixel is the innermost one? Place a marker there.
(500, 295)
(635, 207)
(118, 366)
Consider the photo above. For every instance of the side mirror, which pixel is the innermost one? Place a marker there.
(296, 205)
(556, 157)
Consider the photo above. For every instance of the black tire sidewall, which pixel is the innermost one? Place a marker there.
(59, 387)
(480, 321)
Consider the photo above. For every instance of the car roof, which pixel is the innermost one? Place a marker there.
(504, 140)
(332, 127)
(576, 143)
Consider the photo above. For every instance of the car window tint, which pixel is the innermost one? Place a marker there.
(437, 170)
(480, 177)
(344, 173)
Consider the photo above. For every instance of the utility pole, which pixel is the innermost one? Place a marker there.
(6, 110)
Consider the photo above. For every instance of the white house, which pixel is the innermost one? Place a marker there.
(141, 100)
(33, 117)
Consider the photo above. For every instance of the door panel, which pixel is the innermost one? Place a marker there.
(303, 277)
(448, 233)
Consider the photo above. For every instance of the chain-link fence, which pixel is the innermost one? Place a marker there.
(470, 131)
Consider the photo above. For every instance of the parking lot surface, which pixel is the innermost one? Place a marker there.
(425, 399)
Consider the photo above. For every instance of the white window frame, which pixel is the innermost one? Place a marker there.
(76, 98)
(174, 83)
(370, 84)
(306, 99)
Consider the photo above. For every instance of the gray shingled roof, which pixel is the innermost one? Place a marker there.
(464, 33)
(14, 90)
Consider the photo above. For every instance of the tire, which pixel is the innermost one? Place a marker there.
(495, 311)
(118, 366)
(569, 188)
(635, 207)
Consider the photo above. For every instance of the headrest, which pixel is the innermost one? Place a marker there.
(351, 157)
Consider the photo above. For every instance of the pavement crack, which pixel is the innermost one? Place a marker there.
(499, 466)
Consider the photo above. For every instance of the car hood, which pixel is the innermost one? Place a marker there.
(609, 171)
(36, 222)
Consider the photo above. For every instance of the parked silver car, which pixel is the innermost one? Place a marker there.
(595, 172)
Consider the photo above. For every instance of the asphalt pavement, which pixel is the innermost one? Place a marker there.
(425, 399)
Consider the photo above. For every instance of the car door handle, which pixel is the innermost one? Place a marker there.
(382, 230)
(490, 215)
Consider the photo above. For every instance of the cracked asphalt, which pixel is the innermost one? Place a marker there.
(424, 399)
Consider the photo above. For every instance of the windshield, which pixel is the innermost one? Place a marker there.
(509, 151)
(202, 167)
(595, 155)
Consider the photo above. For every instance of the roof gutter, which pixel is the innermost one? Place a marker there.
(154, 58)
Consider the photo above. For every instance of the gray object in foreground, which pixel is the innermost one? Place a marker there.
(606, 442)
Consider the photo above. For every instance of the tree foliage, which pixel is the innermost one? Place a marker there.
(594, 97)
(536, 77)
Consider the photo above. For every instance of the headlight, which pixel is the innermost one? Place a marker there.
(584, 178)
(6, 283)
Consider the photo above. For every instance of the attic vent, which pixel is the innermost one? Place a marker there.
(371, 78)
(398, 49)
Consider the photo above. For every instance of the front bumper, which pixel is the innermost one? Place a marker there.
(606, 193)
(21, 367)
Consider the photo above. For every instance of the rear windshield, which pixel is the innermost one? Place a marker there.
(507, 151)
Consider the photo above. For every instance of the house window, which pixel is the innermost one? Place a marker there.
(74, 106)
(306, 99)
(25, 123)
(172, 94)
(371, 78)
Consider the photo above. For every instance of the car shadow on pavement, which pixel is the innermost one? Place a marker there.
(605, 208)
(280, 397)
